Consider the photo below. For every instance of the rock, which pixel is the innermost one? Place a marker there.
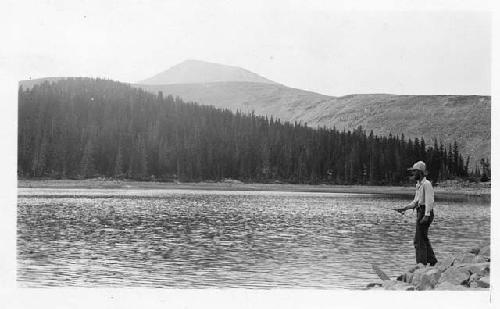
(480, 259)
(485, 251)
(474, 250)
(382, 275)
(455, 275)
(397, 286)
(445, 263)
(406, 277)
(426, 279)
(482, 269)
(409, 277)
(413, 268)
(466, 271)
(465, 258)
(373, 285)
(474, 277)
(476, 289)
(484, 282)
(447, 286)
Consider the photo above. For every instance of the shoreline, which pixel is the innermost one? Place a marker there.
(232, 185)
(468, 270)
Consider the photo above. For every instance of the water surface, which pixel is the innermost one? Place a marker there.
(224, 239)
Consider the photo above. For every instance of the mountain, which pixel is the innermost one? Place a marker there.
(195, 71)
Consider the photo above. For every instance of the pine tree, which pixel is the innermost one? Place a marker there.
(87, 162)
(118, 170)
(86, 127)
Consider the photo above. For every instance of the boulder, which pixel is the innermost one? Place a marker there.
(412, 269)
(480, 259)
(373, 285)
(406, 277)
(484, 282)
(474, 250)
(485, 251)
(397, 286)
(465, 258)
(426, 279)
(482, 269)
(474, 277)
(455, 275)
(447, 286)
(476, 289)
(409, 277)
(415, 267)
(445, 263)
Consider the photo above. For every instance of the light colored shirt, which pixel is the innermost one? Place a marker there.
(424, 195)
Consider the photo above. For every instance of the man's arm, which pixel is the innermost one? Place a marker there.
(411, 205)
(429, 198)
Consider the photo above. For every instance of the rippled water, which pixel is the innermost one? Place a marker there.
(203, 239)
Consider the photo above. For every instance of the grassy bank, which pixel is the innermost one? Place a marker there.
(231, 185)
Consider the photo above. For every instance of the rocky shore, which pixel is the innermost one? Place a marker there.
(466, 271)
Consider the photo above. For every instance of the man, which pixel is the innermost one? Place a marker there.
(424, 203)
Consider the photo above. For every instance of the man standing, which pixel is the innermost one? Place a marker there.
(424, 203)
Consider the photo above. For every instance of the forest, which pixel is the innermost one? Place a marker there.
(80, 128)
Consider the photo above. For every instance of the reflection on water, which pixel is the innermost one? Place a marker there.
(202, 239)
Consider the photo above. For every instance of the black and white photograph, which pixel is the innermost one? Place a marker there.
(249, 147)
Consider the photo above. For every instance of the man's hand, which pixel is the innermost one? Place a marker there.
(400, 210)
(424, 220)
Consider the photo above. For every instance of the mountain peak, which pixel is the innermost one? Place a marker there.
(196, 71)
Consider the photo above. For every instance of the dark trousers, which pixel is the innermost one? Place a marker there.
(423, 249)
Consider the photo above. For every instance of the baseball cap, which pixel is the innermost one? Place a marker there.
(420, 165)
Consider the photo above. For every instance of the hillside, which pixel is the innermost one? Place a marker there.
(465, 119)
(29, 83)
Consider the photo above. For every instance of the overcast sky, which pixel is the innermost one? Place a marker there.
(315, 48)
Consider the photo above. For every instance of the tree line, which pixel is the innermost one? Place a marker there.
(84, 128)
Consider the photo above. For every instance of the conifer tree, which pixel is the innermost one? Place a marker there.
(87, 127)
(118, 170)
(87, 161)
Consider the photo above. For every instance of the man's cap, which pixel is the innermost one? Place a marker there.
(419, 166)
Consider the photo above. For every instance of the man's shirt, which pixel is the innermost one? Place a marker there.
(424, 195)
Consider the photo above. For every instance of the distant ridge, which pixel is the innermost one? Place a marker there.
(447, 118)
(196, 71)
(29, 83)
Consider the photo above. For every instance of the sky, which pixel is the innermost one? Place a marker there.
(312, 47)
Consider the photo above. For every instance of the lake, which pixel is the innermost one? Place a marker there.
(227, 239)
